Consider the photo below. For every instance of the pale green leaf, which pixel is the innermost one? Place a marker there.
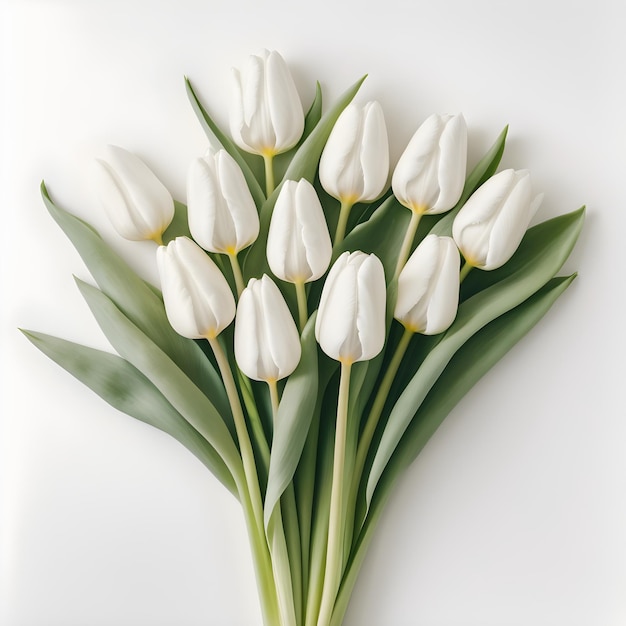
(140, 303)
(468, 365)
(552, 243)
(293, 420)
(135, 347)
(128, 390)
(213, 131)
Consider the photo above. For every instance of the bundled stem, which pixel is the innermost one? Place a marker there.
(334, 554)
(250, 492)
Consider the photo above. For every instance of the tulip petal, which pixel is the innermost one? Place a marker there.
(284, 106)
(267, 342)
(350, 323)
(371, 307)
(280, 333)
(136, 201)
(452, 163)
(238, 200)
(374, 152)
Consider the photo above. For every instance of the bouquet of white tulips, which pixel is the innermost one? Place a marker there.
(313, 326)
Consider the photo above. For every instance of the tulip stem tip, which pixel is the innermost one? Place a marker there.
(407, 243)
(273, 387)
(342, 222)
(234, 263)
(465, 270)
(303, 312)
(334, 554)
(268, 160)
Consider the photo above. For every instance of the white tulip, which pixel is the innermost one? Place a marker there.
(135, 200)
(354, 166)
(491, 224)
(267, 116)
(430, 174)
(267, 342)
(350, 323)
(428, 287)
(198, 301)
(298, 243)
(222, 215)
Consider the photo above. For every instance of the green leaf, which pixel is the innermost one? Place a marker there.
(213, 131)
(293, 420)
(552, 243)
(140, 303)
(467, 366)
(128, 390)
(303, 165)
(172, 382)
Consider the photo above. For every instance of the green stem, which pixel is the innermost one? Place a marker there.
(303, 311)
(234, 263)
(268, 160)
(344, 212)
(258, 433)
(465, 270)
(251, 494)
(334, 554)
(289, 573)
(407, 243)
(372, 422)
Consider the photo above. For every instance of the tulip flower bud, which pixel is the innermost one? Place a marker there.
(135, 200)
(428, 287)
(354, 165)
(267, 116)
(298, 243)
(491, 224)
(267, 342)
(198, 301)
(222, 215)
(430, 174)
(350, 324)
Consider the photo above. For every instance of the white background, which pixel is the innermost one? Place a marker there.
(514, 514)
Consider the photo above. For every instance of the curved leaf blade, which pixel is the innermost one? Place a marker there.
(213, 131)
(293, 421)
(554, 240)
(140, 303)
(482, 352)
(135, 347)
(125, 388)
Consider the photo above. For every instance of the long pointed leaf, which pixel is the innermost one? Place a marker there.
(124, 387)
(468, 365)
(550, 244)
(176, 387)
(213, 131)
(293, 421)
(140, 303)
